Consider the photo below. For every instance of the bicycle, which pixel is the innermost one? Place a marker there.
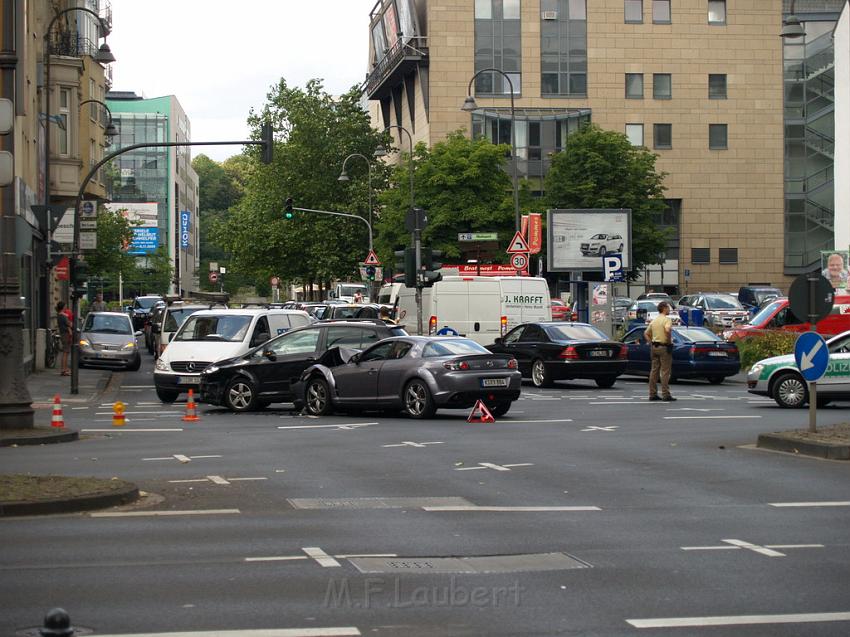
(52, 347)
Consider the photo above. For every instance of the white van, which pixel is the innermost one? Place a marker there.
(346, 292)
(213, 335)
(481, 308)
(388, 295)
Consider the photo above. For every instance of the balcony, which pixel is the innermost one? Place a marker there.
(72, 45)
(400, 60)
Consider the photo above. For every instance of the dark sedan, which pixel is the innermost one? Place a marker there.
(697, 353)
(547, 352)
(415, 374)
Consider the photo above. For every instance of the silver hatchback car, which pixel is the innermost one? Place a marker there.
(108, 340)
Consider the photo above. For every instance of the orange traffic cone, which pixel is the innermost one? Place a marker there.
(191, 415)
(480, 413)
(58, 420)
(118, 418)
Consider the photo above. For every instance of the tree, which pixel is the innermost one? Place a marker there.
(602, 169)
(159, 271)
(217, 186)
(114, 234)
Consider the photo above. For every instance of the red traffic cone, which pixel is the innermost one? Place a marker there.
(480, 413)
(191, 415)
(58, 420)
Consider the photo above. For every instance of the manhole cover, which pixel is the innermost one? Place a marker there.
(375, 503)
(484, 564)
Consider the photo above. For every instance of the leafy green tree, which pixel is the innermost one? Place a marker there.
(114, 233)
(602, 169)
(218, 188)
(158, 272)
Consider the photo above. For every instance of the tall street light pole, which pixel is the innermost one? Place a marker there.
(110, 131)
(469, 105)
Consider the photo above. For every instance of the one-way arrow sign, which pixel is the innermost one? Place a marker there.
(811, 355)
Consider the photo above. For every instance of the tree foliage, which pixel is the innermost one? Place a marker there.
(158, 272)
(602, 169)
(114, 234)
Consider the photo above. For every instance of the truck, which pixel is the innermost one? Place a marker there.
(346, 292)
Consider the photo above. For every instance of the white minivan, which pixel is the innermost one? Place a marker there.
(481, 308)
(213, 335)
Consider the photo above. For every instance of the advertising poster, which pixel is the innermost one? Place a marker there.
(145, 213)
(600, 312)
(834, 268)
(578, 238)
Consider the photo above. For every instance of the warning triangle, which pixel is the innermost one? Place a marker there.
(371, 259)
(517, 244)
(480, 413)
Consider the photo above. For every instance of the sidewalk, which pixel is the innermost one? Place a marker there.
(44, 385)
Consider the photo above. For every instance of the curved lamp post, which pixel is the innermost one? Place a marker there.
(343, 176)
(110, 131)
(791, 27)
(470, 105)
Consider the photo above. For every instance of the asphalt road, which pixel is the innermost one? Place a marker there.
(648, 519)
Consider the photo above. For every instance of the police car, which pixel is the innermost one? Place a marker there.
(779, 377)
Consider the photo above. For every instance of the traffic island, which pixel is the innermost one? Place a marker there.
(831, 443)
(36, 436)
(40, 495)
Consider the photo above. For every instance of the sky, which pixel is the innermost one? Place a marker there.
(221, 58)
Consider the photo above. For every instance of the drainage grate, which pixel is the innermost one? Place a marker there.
(375, 503)
(484, 564)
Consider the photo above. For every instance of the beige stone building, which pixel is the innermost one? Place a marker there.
(699, 82)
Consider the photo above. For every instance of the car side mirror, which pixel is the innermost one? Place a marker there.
(260, 338)
(270, 355)
(138, 333)
(499, 341)
(355, 359)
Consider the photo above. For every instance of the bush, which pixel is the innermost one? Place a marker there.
(755, 348)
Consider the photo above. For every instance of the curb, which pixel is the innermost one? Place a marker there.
(780, 442)
(128, 494)
(48, 438)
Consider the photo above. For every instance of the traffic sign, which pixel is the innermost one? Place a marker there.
(87, 209)
(371, 259)
(275, 281)
(801, 292)
(88, 241)
(213, 277)
(519, 261)
(612, 266)
(478, 236)
(517, 244)
(812, 355)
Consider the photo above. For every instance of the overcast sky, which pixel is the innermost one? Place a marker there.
(220, 58)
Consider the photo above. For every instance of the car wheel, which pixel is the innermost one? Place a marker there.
(715, 380)
(166, 396)
(621, 248)
(240, 395)
(603, 251)
(135, 365)
(317, 397)
(790, 391)
(500, 409)
(607, 382)
(417, 400)
(540, 375)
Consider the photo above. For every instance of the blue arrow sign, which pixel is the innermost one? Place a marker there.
(812, 355)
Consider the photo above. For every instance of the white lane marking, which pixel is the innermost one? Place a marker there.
(836, 503)
(694, 409)
(320, 556)
(408, 443)
(622, 402)
(765, 549)
(346, 427)
(331, 631)
(509, 509)
(137, 387)
(531, 421)
(706, 417)
(128, 429)
(186, 481)
(294, 558)
(181, 457)
(739, 620)
(139, 514)
(245, 479)
(141, 413)
(495, 467)
(78, 408)
(609, 428)
(217, 480)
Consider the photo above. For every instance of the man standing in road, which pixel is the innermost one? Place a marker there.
(98, 305)
(659, 333)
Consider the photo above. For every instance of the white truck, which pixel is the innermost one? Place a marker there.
(347, 291)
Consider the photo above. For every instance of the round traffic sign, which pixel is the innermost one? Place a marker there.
(812, 355)
(800, 293)
(213, 277)
(275, 281)
(519, 261)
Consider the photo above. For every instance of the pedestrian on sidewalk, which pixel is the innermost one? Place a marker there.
(659, 333)
(98, 305)
(65, 335)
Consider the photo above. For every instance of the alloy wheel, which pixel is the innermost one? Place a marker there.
(240, 396)
(317, 397)
(791, 391)
(538, 373)
(415, 399)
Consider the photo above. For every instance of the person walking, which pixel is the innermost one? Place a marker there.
(659, 333)
(63, 323)
(98, 305)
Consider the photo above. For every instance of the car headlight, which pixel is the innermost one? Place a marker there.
(130, 345)
(161, 365)
(85, 343)
(212, 369)
(756, 369)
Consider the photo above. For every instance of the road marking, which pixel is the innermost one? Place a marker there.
(245, 479)
(320, 556)
(495, 467)
(695, 409)
(78, 408)
(331, 631)
(346, 427)
(126, 429)
(621, 402)
(509, 509)
(215, 480)
(139, 514)
(810, 504)
(408, 443)
(609, 428)
(532, 421)
(739, 620)
(766, 549)
(294, 558)
(141, 413)
(136, 387)
(706, 417)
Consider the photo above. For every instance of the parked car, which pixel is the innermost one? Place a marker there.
(265, 374)
(170, 320)
(561, 311)
(648, 308)
(697, 353)
(153, 320)
(549, 351)
(108, 340)
(777, 315)
(601, 244)
(657, 297)
(719, 310)
(141, 308)
(415, 374)
(779, 377)
(753, 297)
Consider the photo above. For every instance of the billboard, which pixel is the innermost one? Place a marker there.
(145, 213)
(834, 268)
(578, 238)
(145, 240)
(185, 217)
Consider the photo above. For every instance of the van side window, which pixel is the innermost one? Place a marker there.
(279, 324)
(262, 327)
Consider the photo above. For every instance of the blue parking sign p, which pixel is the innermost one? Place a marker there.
(612, 267)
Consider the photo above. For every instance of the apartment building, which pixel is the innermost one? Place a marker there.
(742, 120)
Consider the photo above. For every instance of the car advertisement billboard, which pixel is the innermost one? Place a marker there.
(576, 239)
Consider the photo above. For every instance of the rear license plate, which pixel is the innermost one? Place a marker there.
(494, 382)
(188, 380)
(717, 354)
(599, 353)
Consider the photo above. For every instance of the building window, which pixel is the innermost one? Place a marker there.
(717, 11)
(634, 86)
(563, 47)
(728, 256)
(717, 136)
(661, 11)
(717, 86)
(92, 95)
(64, 130)
(498, 45)
(662, 86)
(700, 256)
(662, 135)
(635, 134)
(634, 11)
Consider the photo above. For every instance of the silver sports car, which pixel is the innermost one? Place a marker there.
(416, 374)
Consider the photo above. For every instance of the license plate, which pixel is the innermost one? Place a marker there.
(494, 382)
(599, 353)
(188, 380)
(717, 354)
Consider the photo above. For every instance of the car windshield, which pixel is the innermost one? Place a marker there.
(574, 333)
(723, 303)
(598, 236)
(765, 313)
(147, 302)
(351, 290)
(175, 317)
(231, 327)
(649, 306)
(397, 330)
(106, 324)
(696, 334)
(344, 312)
(764, 295)
(622, 302)
(453, 347)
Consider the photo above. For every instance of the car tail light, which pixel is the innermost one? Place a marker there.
(574, 317)
(456, 366)
(569, 353)
(432, 325)
(512, 364)
(624, 352)
(503, 323)
(696, 350)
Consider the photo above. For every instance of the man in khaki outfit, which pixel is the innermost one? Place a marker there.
(659, 334)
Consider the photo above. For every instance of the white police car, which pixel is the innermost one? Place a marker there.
(779, 377)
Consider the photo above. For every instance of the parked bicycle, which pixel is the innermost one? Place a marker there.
(52, 348)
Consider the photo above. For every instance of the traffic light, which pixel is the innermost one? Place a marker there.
(370, 272)
(430, 267)
(79, 273)
(288, 214)
(268, 143)
(406, 264)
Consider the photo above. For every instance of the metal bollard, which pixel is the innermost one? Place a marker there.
(57, 623)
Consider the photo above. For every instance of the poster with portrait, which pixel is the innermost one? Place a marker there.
(834, 268)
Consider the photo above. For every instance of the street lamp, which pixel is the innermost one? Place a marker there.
(110, 130)
(344, 177)
(469, 105)
(791, 27)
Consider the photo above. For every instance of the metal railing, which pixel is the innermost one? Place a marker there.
(72, 45)
(415, 47)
